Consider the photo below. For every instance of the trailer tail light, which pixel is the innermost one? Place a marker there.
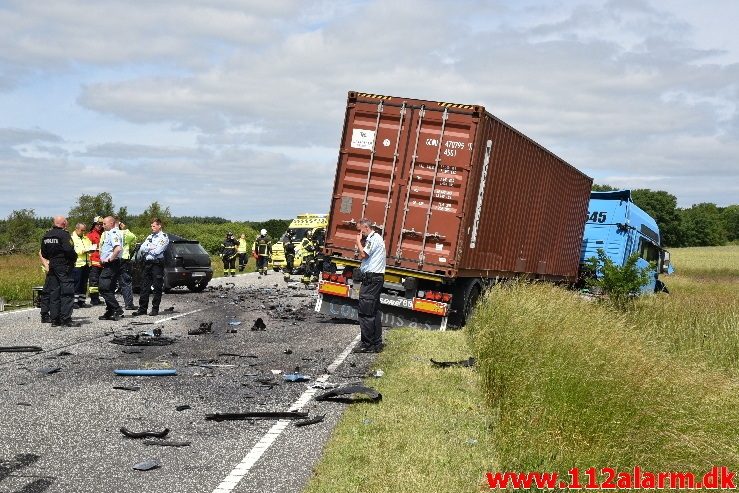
(333, 277)
(325, 276)
(446, 297)
(430, 306)
(348, 273)
(333, 288)
(341, 279)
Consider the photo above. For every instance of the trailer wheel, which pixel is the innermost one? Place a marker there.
(466, 294)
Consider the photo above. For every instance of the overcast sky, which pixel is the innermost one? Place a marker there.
(234, 108)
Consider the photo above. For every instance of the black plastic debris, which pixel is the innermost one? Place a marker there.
(147, 465)
(166, 443)
(49, 370)
(183, 407)
(310, 421)
(27, 404)
(170, 309)
(288, 351)
(20, 349)
(239, 355)
(65, 353)
(144, 434)
(446, 364)
(256, 415)
(133, 351)
(141, 340)
(204, 328)
(259, 325)
(335, 395)
(124, 387)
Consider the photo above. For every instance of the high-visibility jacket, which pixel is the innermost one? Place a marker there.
(94, 237)
(129, 240)
(82, 247)
(242, 245)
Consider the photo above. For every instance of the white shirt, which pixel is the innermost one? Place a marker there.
(374, 262)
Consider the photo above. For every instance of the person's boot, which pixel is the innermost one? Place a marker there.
(70, 323)
(154, 312)
(46, 319)
(95, 300)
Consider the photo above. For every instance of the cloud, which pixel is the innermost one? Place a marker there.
(621, 89)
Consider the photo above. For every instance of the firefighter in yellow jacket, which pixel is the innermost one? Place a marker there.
(262, 249)
(309, 250)
(81, 271)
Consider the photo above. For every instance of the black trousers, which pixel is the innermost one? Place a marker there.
(80, 275)
(370, 318)
(290, 262)
(94, 283)
(107, 284)
(59, 285)
(242, 262)
(229, 263)
(262, 262)
(125, 282)
(151, 276)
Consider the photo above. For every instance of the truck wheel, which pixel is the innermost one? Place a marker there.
(466, 294)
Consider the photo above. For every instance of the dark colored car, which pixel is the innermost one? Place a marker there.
(186, 263)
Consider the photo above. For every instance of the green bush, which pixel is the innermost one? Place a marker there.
(619, 283)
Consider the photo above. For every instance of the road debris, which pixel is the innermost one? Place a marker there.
(335, 394)
(378, 374)
(142, 340)
(446, 364)
(310, 421)
(147, 465)
(295, 377)
(204, 328)
(144, 434)
(166, 443)
(259, 325)
(20, 349)
(183, 407)
(49, 370)
(256, 415)
(288, 351)
(146, 372)
(123, 387)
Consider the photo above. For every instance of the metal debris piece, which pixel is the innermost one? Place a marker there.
(20, 349)
(295, 377)
(123, 387)
(141, 340)
(183, 407)
(166, 443)
(144, 434)
(259, 325)
(147, 465)
(234, 322)
(49, 370)
(310, 421)
(28, 404)
(204, 328)
(446, 364)
(256, 415)
(335, 395)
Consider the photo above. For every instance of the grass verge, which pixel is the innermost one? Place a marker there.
(430, 432)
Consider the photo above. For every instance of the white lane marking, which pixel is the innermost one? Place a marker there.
(233, 479)
(11, 312)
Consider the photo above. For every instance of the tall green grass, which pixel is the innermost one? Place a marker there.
(18, 274)
(572, 383)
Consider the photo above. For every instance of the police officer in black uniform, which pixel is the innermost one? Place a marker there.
(57, 247)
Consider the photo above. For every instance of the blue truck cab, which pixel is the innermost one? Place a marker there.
(618, 226)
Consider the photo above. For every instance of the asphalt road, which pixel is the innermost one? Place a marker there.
(60, 431)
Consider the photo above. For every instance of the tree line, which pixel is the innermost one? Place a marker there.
(703, 224)
(22, 230)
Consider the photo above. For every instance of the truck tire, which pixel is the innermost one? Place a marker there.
(466, 294)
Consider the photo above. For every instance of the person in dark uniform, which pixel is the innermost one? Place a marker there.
(289, 248)
(228, 254)
(262, 248)
(57, 247)
(151, 253)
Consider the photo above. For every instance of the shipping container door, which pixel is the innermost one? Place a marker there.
(369, 164)
(431, 189)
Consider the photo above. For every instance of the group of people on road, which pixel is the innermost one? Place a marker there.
(232, 249)
(97, 264)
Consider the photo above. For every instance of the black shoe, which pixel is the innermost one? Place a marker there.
(82, 305)
(45, 319)
(70, 323)
(132, 307)
(153, 313)
(362, 348)
(106, 316)
(377, 348)
(55, 323)
(96, 302)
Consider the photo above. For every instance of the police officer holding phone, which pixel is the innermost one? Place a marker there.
(151, 253)
(371, 249)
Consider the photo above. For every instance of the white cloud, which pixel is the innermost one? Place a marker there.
(247, 100)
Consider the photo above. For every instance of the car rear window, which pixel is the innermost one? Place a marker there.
(188, 249)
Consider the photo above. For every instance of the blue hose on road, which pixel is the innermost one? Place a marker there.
(145, 373)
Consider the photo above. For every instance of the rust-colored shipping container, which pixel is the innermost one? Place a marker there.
(455, 192)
